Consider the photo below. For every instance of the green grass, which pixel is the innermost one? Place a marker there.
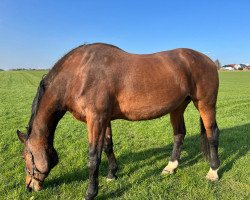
(142, 149)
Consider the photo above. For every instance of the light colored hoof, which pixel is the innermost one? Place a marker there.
(110, 179)
(169, 169)
(166, 172)
(212, 175)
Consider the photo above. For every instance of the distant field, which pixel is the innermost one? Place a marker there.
(142, 149)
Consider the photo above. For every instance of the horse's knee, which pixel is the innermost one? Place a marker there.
(93, 162)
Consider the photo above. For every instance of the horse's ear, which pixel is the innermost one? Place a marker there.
(22, 137)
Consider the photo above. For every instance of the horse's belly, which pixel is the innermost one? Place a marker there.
(144, 108)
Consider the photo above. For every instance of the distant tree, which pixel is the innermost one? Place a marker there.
(18, 69)
(1, 70)
(217, 63)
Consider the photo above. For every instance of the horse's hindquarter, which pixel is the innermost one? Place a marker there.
(150, 86)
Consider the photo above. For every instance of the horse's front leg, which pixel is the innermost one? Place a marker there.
(96, 133)
(108, 149)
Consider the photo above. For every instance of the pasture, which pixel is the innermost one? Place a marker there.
(142, 149)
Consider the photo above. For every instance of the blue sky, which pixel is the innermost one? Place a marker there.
(36, 33)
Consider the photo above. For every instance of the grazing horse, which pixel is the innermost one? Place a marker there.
(99, 83)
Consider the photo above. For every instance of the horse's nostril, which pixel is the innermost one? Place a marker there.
(28, 188)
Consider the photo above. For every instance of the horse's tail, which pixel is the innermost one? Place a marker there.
(204, 141)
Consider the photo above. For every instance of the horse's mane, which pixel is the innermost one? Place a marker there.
(35, 104)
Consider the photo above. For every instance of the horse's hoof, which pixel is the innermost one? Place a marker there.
(169, 169)
(212, 178)
(110, 179)
(212, 175)
(88, 198)
(167, 172)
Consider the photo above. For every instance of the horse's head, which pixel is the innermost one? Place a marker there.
(39, 160)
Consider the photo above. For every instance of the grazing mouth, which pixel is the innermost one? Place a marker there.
(34, 185)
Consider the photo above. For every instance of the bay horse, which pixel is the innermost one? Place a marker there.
(99, 83)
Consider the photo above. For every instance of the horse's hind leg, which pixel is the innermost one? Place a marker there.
(208, 113)
(108, 149)
(177, 121)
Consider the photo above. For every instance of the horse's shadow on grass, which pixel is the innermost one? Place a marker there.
(233, 145)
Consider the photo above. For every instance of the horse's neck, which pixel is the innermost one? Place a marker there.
(45, 123)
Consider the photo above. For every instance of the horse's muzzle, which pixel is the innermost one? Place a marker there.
(33, 185)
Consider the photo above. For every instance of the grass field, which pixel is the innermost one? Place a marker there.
(142, 149)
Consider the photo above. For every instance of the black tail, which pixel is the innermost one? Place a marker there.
(204, 141)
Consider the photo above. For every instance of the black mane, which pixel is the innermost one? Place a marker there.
(35, 104)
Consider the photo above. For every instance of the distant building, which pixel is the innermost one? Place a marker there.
(239, 66)
(247, 68)
(234, 67)
(228, 68)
